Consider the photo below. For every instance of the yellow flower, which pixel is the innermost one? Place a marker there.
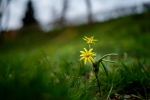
(87, 55)
(89, 40)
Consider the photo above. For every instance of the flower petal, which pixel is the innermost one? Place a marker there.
(89, 60)
(90, 49)
(85, 60)
(85, 49)
(82, 51)
(82, 58)
(82, 55)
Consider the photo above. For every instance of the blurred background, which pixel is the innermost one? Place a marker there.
(50, 14)
(120, 26)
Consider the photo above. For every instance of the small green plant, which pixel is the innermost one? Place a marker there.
(88, 55)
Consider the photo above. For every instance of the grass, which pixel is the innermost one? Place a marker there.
(70, 80)
(46, 66)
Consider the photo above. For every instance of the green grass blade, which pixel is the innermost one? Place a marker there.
(104, 68)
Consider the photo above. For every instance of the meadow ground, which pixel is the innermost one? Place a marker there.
(39, 65)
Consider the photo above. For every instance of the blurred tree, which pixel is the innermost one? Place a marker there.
(89, 9)
(63, 13)
(60, 21)
(4, 8)
(146, 6)
(29, 16)
(0, 16)
(134, 9)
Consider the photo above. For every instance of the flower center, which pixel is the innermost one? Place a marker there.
(88, 55)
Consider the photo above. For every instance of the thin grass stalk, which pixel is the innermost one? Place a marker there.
(105, 69)
(143, 68)
(108, 97)
(144, 91)
(45, 57)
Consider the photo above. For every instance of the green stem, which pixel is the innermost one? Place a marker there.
(89, 46)
(97, 81)
(106, 56)
(108, 61)
(96, 69)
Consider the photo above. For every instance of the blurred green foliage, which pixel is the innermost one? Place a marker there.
(41, 65)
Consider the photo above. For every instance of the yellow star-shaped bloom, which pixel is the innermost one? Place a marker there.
(89, 40)
(87, 55)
